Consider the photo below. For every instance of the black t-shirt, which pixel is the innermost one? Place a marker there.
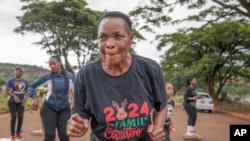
(189, 92)
(119, 106)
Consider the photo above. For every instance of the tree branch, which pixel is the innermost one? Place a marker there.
(233, 8)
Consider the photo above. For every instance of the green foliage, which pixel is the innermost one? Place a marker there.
(4, 106)
(237, 89)
(158, 13)
(212, 54)
(237, 106)
(30, 72)
(68, 28)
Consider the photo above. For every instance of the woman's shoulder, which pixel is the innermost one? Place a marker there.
(45, 76)
(10, 79)
(145, 62)
(91, 65)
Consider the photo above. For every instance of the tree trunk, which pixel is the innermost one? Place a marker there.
(210, 85)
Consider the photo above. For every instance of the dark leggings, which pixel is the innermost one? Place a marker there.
(51, 120)
(166, 127)
(16, 111)
(192, 114)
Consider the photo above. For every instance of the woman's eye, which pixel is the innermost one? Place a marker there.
(118, 36)
(102, 38)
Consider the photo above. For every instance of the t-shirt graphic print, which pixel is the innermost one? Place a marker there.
(125, 120)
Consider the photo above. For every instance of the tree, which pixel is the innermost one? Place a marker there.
(155, 14)
(159, 12)
(217, 53)
(67, 27)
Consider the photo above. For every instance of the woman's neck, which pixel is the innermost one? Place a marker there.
(119, 69)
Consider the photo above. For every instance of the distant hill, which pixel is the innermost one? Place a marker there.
(31, 72)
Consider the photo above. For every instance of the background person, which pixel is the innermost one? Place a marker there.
(190, 96)
(170, 103)
(55, 110)
(118, 91)
(16, 90)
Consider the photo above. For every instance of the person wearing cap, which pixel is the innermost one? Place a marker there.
(17, 91)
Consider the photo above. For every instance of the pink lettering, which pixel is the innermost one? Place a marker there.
(126, 133)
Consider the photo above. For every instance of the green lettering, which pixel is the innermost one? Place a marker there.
(123, 124)
(131, 122)
(117, 123)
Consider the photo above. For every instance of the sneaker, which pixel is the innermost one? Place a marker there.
(19, 137)
(190, 134)
(12, 137)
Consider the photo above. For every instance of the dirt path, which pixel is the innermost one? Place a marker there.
(212, 127)
(31, 122)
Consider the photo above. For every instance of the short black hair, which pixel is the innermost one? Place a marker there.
(19, 68)
(117, 14)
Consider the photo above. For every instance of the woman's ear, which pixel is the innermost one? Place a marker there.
(131, 37)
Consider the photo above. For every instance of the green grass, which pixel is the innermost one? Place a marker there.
(236, 106)
(224, 105)
(4, 106)
(178, 98)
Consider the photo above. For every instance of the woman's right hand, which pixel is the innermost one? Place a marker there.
(76, 126)
(16, 99)
(35, 104)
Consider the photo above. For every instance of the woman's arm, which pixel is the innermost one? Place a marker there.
(156, 129)
(160, 117)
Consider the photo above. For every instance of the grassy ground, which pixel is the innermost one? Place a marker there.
(224, 104)
(4, 106)
(236, 106)
(232, 106)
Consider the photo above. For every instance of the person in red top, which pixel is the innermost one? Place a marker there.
(16, 90)
(119, 90)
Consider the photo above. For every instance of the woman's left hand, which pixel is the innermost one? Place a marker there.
(35, 104)
(156, 133)
(24, 102)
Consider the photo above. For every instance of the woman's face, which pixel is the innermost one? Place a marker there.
(114, 38)
(18, 73)
(193, 82)
(170, 90)
(55, 65)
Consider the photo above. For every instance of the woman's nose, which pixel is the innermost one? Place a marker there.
(110, 44)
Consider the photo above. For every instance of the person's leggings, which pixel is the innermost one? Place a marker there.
(51, 120)
(192, 114)
(166, 128)
(16, 111)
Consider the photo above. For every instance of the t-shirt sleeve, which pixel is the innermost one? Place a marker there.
(159, 91)
(80, 97)
(8, 83)
(187, 94)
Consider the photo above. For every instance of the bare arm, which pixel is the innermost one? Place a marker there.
(160, 117)
(8, 92)
(156, 129)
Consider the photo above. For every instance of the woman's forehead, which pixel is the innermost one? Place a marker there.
(109, 23)
(53, 60)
